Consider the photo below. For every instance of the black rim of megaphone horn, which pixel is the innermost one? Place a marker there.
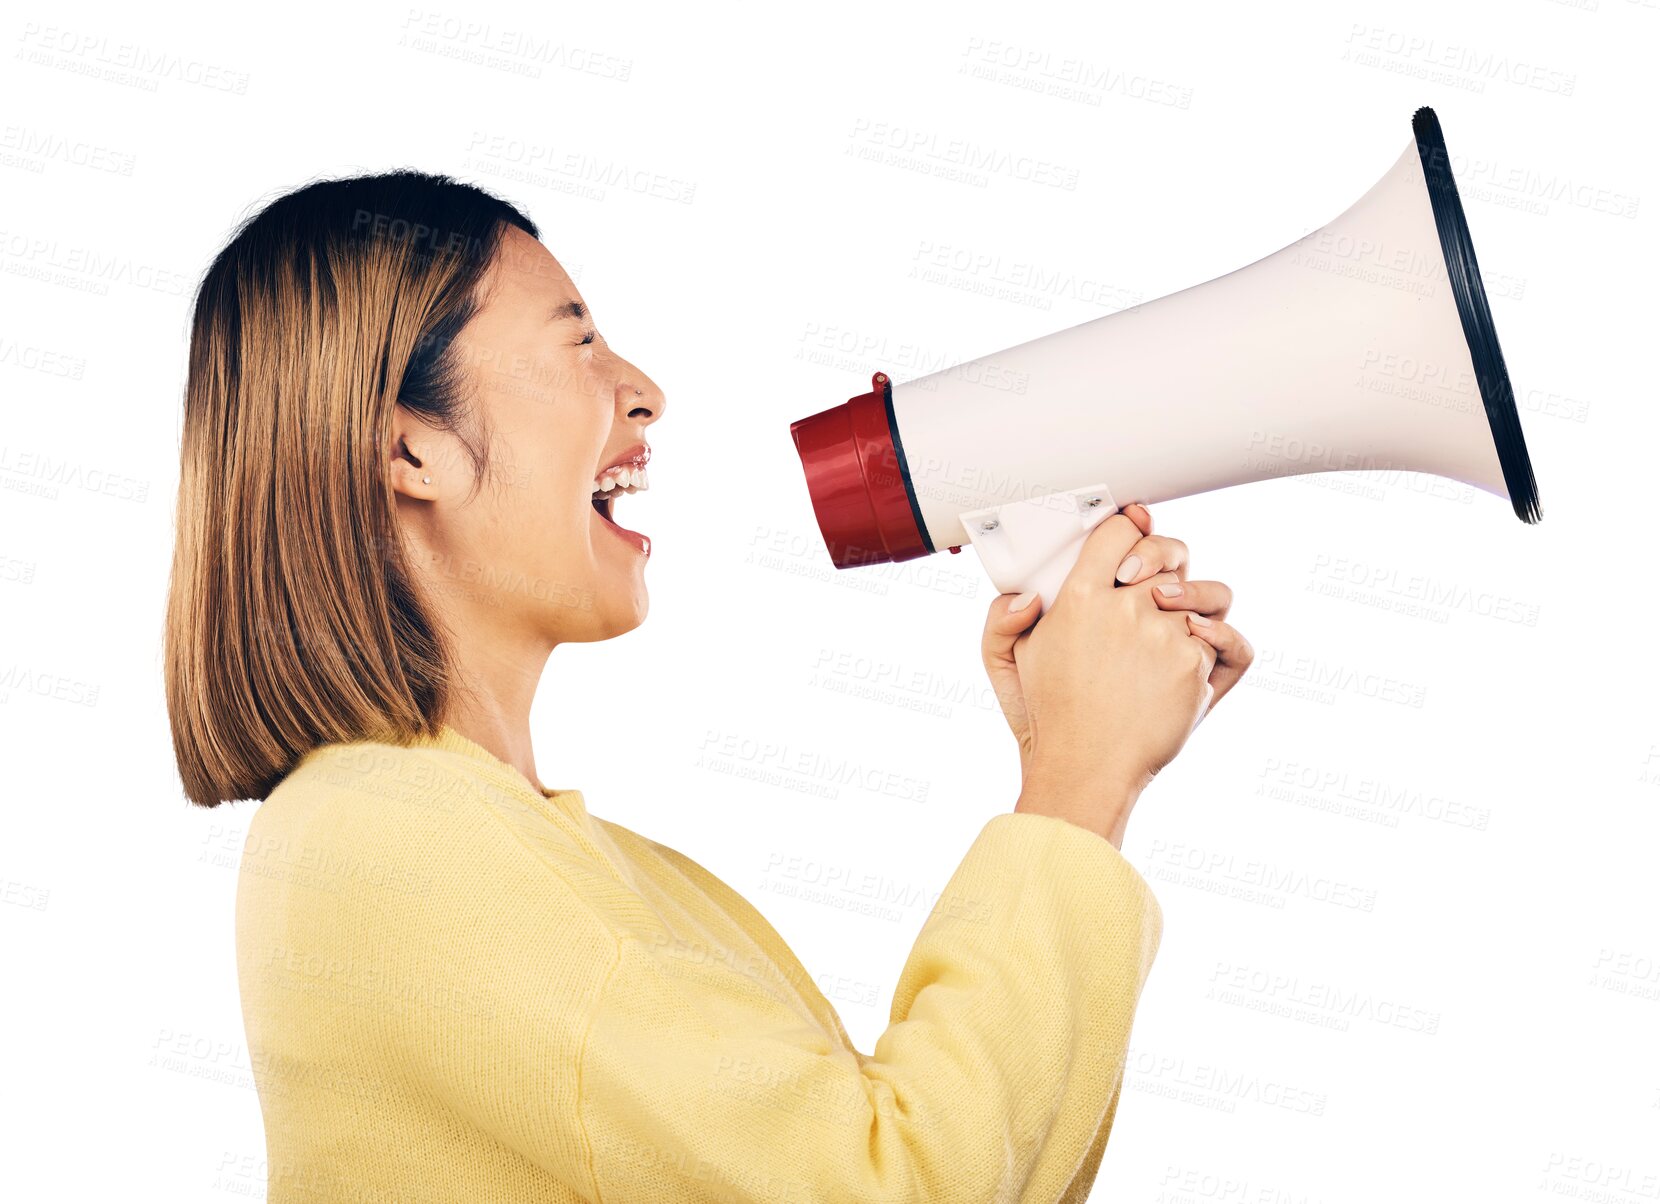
(1465, 278)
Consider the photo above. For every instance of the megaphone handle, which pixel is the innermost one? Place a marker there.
(1032, 544)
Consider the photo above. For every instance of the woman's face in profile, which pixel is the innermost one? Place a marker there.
(531, 553)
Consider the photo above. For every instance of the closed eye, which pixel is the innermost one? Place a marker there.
(587, 338)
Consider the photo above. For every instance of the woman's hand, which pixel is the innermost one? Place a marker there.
(1161, 562)
(1011, 616)
(1113, 647)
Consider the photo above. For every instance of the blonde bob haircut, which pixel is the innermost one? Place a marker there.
(293, 618)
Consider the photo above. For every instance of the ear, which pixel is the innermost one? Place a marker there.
(414, 457)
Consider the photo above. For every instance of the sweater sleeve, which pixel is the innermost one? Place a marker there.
(995, 1080)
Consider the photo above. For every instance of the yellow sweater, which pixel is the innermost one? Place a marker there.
(459, 988)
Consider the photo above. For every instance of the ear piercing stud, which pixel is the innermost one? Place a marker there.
(426, 480)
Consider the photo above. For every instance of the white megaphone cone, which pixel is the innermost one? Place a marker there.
(1365, 345)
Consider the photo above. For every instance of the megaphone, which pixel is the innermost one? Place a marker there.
(1365, 345)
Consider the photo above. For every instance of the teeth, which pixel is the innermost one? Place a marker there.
(627, 479)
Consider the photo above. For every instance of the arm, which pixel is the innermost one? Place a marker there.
(538, 999)
(993, 1081)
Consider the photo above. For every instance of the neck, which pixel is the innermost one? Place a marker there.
(498, 661)
(491, 702)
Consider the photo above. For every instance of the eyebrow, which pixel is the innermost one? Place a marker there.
(569, 309)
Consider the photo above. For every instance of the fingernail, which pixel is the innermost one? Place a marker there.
(1022, 601)
(1130, 567)
(1199, 619)
(1170, 590)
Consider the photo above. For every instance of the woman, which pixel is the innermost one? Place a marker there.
(400, 456)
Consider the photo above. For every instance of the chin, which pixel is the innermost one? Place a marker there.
(617, 610)
(629, 614)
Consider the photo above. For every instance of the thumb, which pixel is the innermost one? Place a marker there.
(1004, 628)
(1010, 615)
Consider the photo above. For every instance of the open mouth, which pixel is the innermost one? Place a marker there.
(605, 501)
(613, 483)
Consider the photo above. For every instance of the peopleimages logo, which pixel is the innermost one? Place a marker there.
(928, 146)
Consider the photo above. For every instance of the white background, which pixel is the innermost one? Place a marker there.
(719, 180)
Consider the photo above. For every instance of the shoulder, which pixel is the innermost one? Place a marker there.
(372, 773)
(386, 896)
(370, 796)
(369, 830)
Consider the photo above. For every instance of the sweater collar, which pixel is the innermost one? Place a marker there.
(452, 740)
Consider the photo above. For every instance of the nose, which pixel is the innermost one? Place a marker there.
(638, 397)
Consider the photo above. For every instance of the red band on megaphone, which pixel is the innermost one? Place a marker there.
(858, 480)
